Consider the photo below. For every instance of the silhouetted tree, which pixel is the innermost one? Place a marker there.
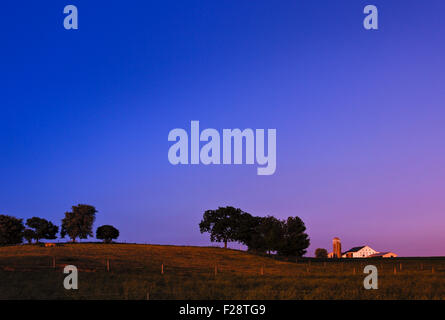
(259, 234)
(79, 222)
(11, 230)
(246, 232)
(267, 235)
(43, 229)
(295, 241)
(107, 233)
(321, 253)
(222, 224)
(29, 235)
(255, 240)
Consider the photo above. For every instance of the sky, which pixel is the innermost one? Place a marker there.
(85, 116)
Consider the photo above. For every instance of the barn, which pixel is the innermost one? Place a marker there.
(359, 252)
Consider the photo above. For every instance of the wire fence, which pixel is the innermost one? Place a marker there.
(345, 267)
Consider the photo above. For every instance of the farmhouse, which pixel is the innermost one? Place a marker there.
(357, 252)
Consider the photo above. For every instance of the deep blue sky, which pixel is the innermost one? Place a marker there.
(359, 115)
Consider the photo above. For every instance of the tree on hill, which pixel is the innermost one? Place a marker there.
(272, 230)
(266, 235)
(11, 230)
(259, 234)
(43, 229)
(245, 232)
(79, 222)
(29, 235)
(107, 233)
(321, 253)
(295, 240)
(222, 224)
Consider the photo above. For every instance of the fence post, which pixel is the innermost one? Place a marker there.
(216, 269)
(395, 270)
(108, 265)
(54, 262)
(162, 268)
(262, 270)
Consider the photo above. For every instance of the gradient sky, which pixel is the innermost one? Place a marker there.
(359, 115)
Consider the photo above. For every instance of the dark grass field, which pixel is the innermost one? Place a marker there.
(27, 272)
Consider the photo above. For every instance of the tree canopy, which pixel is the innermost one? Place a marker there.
(295, 240)
(78, 223)
(43, 229)
(321, 253)
(222, 224)
(11, 230)
(107, 233)
(259, 234)
(266, 235)
(29, 235)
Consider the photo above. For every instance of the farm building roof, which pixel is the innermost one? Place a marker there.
(355, 249)
(380, 254)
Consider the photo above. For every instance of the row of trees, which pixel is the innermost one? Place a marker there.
(77, 223)
(259, 234)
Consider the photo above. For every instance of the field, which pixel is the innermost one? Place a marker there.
(28, 272)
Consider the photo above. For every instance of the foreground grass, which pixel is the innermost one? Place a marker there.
(26, 272)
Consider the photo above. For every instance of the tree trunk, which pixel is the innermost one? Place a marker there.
(225, 244)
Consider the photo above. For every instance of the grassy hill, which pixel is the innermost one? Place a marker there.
(27, 272)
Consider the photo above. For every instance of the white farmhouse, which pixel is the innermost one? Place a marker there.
(359, 252)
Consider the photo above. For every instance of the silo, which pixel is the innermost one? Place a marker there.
(336, 247)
